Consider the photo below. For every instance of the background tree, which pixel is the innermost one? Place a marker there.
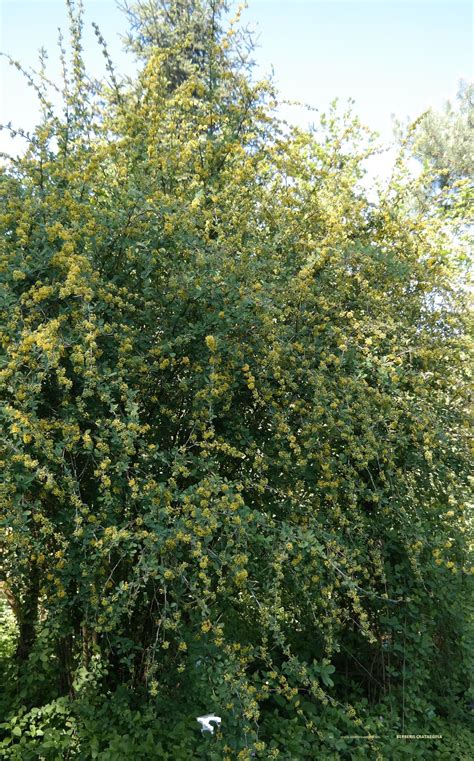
(445, 140)
(191, 29)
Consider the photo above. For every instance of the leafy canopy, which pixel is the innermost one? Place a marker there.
(234, 439)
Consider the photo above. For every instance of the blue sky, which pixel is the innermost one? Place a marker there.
(392, 56)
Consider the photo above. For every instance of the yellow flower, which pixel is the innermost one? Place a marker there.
(211, 343)
(241, 577)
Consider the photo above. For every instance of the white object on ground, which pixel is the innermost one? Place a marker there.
(205, 722)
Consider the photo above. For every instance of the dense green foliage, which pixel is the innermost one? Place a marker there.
(234, 441)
